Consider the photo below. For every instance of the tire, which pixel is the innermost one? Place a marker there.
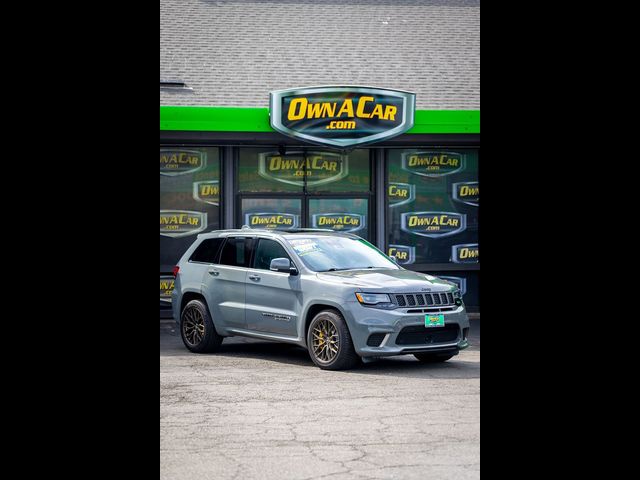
(433, 357)
(202, 337)
(345, 356)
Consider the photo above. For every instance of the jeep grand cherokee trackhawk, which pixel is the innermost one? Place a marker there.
(334, 294)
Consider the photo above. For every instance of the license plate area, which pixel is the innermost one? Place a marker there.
(434, 320)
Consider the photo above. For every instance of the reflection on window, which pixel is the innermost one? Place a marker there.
(271, 213)
(340, 215)
(268, 170)
(433, 198)
(189, 198)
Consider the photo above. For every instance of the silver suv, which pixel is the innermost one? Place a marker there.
(334, 294)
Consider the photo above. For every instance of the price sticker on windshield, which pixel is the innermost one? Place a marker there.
(304, 246)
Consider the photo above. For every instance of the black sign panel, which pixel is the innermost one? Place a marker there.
(465, 253)
(179, 162)
(466, 192)
(342, 116)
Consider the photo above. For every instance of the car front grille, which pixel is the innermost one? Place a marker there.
(421, 335)
(428, 299)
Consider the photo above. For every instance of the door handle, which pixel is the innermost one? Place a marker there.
(213, 272)
(254, 277)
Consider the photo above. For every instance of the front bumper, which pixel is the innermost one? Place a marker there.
(363, 322)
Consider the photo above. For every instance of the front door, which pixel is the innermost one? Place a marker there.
(273, 299)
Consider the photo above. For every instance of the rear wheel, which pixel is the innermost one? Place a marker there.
(197, 330)
(329, 342)
(433, 357)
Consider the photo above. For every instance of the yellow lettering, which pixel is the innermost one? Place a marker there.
(209, 190)
(328, 109)
(361, 103)
(347, 107)
(297, 108)
(314, 110)
(377, 111)
(434, 161)
(468, 253)
(341, 125)
(397, 192)
(434, 222)
(274, 163)
(466, 191)
(390, 113)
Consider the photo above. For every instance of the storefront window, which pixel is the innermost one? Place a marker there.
(271, 213)
(305, 188)
(433, 200)
(267, 170)
(355, 168)
(340, 215)
(189, 198)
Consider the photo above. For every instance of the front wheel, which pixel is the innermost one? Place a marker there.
(329, 342)
(197, 330)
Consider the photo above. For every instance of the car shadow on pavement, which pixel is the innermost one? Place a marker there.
(409, 366)
(458, 367)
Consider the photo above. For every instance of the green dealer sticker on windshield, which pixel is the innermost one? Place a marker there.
(434, 320)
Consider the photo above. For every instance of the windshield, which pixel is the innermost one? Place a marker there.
(329, 254)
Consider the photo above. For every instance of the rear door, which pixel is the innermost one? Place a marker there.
(272, 298)
(225, 282)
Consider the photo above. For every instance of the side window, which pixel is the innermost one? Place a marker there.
(236, 252)
(268, 250)
(207, 251)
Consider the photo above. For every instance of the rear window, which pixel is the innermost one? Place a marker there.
(236, 252)
(207, 251)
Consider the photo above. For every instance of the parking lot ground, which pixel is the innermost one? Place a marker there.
(262, 410)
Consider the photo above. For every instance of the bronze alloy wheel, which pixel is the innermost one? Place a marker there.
(326, 341)
(329, 342)
(193, 326)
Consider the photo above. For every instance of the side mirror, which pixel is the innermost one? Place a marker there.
(282, 265)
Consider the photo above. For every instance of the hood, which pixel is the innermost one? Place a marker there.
(382, 280)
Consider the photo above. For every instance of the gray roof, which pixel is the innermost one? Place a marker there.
(233, 53)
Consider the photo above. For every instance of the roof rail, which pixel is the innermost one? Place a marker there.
(294, 230)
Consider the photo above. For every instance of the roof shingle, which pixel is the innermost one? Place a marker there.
(233, 53)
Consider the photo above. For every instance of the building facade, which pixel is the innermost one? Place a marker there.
(222, 164)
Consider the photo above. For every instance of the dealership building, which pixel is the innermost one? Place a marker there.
(357, 117)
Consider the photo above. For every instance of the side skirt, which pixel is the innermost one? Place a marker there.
(267, 336)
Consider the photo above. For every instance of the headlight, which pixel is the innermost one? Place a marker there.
(377, 300)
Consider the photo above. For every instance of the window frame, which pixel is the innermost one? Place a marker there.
(255, 251)
(251, 250)
(216, 256)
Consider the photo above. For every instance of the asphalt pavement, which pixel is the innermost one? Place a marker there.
(262, 410)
